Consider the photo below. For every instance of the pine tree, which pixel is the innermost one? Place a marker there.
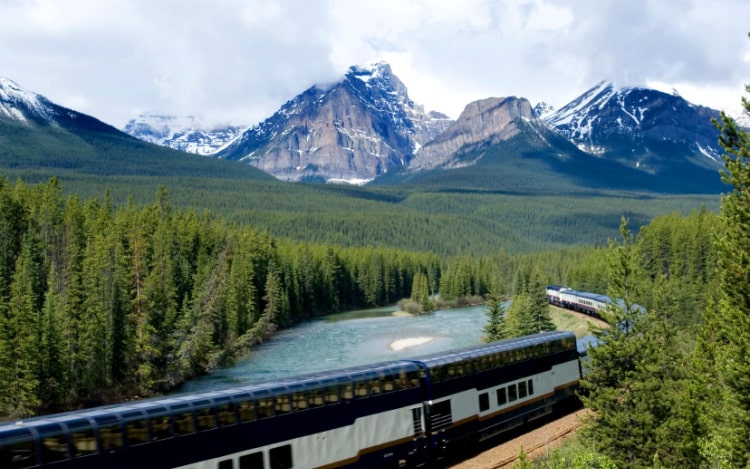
(420, 292)
(52, 370)
(724, 344)
(519, 319)
(22, 333)
(495, 327)
(636, 383)
(540, 311)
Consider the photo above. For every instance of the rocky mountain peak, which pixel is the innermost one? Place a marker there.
(484, 122)
(379, 76)
(19, 104)
(543, 109)
(182, 133)
(639, 127)
(351, 131)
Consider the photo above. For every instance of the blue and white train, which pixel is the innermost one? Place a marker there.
(577, 300)
(405, 413)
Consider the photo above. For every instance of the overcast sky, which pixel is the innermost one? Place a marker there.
(238, 61)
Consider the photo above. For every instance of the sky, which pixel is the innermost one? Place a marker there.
(239, 61)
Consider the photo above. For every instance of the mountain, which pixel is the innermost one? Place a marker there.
(351, 131)
(28, 108)
(40, 139)
(741, 116)
(649, 130)
(499, 145)
(482, 123)
(543, 109)
(184, 134)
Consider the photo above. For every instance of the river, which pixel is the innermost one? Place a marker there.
(348, 339)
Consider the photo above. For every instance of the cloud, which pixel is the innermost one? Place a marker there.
(240, 60)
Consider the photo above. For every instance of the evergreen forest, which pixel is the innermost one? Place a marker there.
(669, 382)
(128, 292)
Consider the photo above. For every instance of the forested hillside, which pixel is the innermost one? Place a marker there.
(668, 382)
(104, 302)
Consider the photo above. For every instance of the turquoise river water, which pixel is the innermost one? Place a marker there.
(348, 339)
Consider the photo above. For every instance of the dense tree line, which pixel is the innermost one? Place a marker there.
(99, 302)
(670, 380)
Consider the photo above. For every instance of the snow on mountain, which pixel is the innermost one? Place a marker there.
(34, 110)
(542, 109)
(182, 133)
(639, 127)
(741, 117)
(350, 131)
(19, 104)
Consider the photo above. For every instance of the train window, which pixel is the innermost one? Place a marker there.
(375, 386)
(402, 381)
(84, 442)
(183, 423)
(484, 402)
(406, 380)
(436, 374)
(283, 405)
(54, 444)
(530, 385)
(18, 451)
(226, 464)
(206, 419)
(388, 385)
(316, 397)
(332, 394)
(483, 364)
(299, 398)
(226, 414)
(160, 427)
(281, 457)
(522, 389)
(502, 397)
(247, 411)
(135, 432)
(499, 359)
(512, 393)
(361, 388)
(347, 391)
(414, 377)
(252, 461)
(265, 407)
(110, 436)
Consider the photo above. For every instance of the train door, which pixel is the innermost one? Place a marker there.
(420, 456)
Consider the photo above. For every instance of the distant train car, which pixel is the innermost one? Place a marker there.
(400, 413)
(553, 294)
(577, 300)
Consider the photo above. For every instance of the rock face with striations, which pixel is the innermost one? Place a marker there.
(351, 131)
(482, 123)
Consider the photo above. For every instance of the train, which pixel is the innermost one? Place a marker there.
(402, 413)
(577, 300)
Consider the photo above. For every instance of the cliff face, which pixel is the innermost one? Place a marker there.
(484, 122)
(352, 131)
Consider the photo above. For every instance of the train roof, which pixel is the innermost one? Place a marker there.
(165, 405)
(591, 296)
(500, 346)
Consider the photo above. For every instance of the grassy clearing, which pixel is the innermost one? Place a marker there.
(578, 323)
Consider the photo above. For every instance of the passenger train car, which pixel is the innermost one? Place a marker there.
(399, 413)
(577, 300)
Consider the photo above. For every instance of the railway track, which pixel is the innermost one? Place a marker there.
(535, 443)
